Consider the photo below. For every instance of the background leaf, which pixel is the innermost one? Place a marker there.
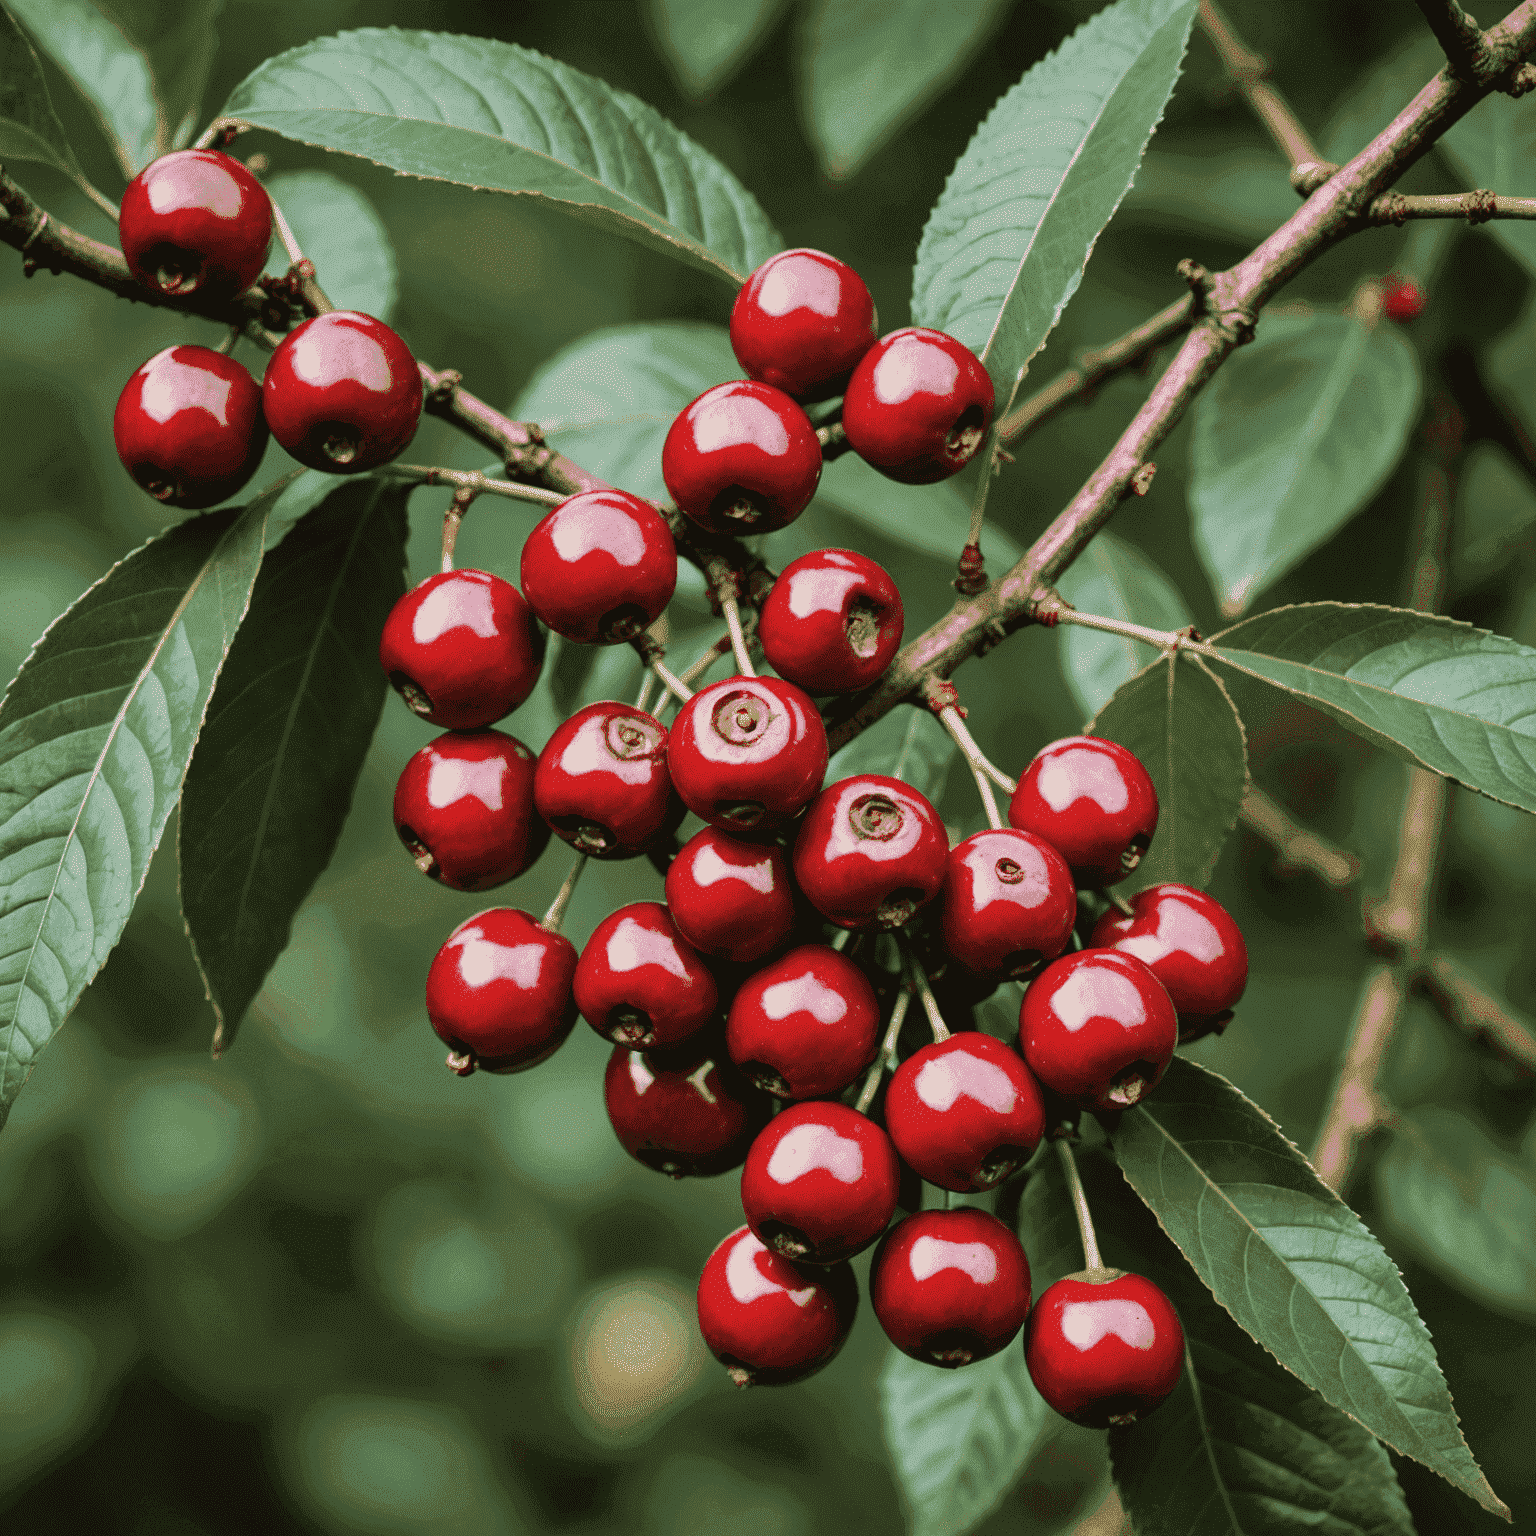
(338, 230)
(906, 744)
(707, 41)
(1383, 92)
(1493, 146)
(29, 127)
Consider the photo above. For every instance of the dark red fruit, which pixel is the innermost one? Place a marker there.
(767, 1322)
(462, 649)
(1009, 903)
(464, 809)
(1104, 1347)
(1098, 1028)
(1093, 802)
(747, 753)
(188, 426)
(950, 1287)
(918, 406)
(342, 393)
(602, 781)
(1401, 298)
(639, 983)
(805, 1025)
(730, 898)
(600, 567)
(499, 992)
(195, 221)
(742, 458)
(832, 622)
(801, 322)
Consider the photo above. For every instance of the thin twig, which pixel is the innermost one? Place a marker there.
(1297, 847)
(1247, 70)
(674, 683)
(887, 1050)
(732, 612)
(982, 770)
(1469, 1007)
(557, 908)
(1475, 207)
(471, 480)
(930, 1004)
(1091, 1258)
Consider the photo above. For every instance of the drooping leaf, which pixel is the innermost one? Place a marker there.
(1436, 692)
(29, 127)
(290, 722)
(707, 41)
(500, 118)
(1005, 246)
(1292, 438)
(1293, 1264)
(338, 229)
(906, 744)
(1492, 147)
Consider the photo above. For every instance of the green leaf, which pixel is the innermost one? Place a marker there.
(867, 66)
(1293, 1265)
(1492, 146)
(290, 723)
(1005, 246)
(1436, 692)
(338, 230)
(1241, 195)
(707, 41)
(500, 118)
(1177, 718)
(1292, 438)
(909, 745)
(1495, 513)
(96, 732)
(29, 127)
(1384, 91)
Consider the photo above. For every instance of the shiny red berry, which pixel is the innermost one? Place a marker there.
(188, 426)
(950, 1287)
(747, 753)
(639, 982)
(499, 992)
(918, 406)
(464, 809)
(767, 1322)
(805, 1025)
(870, 852)
(342, 393)
(832, 622)
(1093, 802)
(1401, 298)
(602, 781)
(600, 567)
(1098, 1028)
(742, 458)
(731, 898)
(1008, 903)
(1104, 1347)
(195, 221)
(801, 322)
(462, 649)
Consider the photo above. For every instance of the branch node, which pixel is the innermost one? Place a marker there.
(940, 694)
(1047, 606)
(1391, 208)
(1307, 177)
(1141, 481)
(972, 577)
(1198, 278)
(1481, 205)
(1523, 80)
(444, 385)
(1239, 325)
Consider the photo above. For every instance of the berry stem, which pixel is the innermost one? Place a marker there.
(887, 1051)
(674, 683)
(643, 698)
(732, 611)
(840, 939)
(698, 667)
(1163, 639)
(453, 520)
(1091, 1258)
(470, 480)
(301, 267)
(557, 908)
(953, 722)
(1119, 903)
(930, 1003)
(227, 346)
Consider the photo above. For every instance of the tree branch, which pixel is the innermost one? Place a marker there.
(1459, 35)
(1469, 1007)
(1475, 207)
(1247, 71)
(1296, 847)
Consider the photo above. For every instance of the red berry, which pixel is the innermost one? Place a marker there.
(870, 852)
(820, 1183)
(964, 1112)
(742, 458)
(731, 898)
(1093, 802)
(805, 1025)
(195, 221)
(342, 393)
(801, 322)
(918, 406)
(1098, 1028)
(639, 983)
(1401, 298)
(600, 567)
(765, 1320)
(499, 992)
(464, 809)
(832, 622)
(747, 753)
(1009, 903)
(188, 426)
(950, 1287)
(462, 649)
(1104, 1347)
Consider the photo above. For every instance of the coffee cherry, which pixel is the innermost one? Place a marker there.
(1191, 944)
(1093, 802)
(1104, 1347)
(918, 406)
(188, 426)
(870, 852)
(767, 1322)
(741, 459)
(747, 753)
(964, 1112)
(801, 322)
(342, 393)
(1401, 298)
(731, 898)
(950, 1287)
(464, 810)
(195, 221)
(639, 983)
(1008, 903)
(805, 1025)
(462, 649)
(600, 567)
(820, 1183)
(499, 992)
(832, 622)
(1098, 1028)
